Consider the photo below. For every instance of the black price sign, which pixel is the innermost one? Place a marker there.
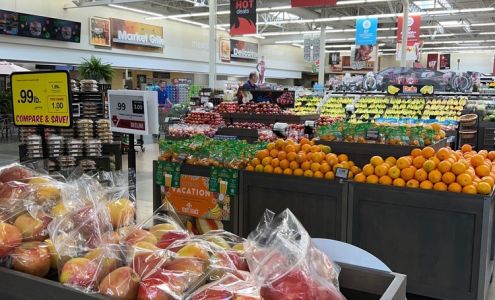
(372, 135)
(137, 107)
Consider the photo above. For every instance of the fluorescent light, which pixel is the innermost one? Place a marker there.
(425, 4)
(220, 12)
(136, 10)
(351, 2)
(190, 22)
(483, 9)
(347, 46)
(298, 45)
(487, 33)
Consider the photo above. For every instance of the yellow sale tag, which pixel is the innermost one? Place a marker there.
(41, 99)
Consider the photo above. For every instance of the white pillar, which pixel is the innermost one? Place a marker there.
(376, 58)
(405, 20)
(321, 73)
(213, 44)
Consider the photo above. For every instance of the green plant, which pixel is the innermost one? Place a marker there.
(5, 103)
(94, 68)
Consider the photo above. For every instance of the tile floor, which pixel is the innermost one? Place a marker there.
(144, 160)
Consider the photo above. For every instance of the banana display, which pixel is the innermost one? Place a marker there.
(306, 105)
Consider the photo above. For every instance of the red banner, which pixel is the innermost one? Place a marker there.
(242, 17)
(413, 29)
(313, 3)
(432, 61)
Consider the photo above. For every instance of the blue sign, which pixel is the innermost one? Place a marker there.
(366, 31)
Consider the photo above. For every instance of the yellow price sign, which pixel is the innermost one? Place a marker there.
(41, 99)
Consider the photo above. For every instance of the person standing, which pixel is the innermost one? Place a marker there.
(163, 97)
(251, 83)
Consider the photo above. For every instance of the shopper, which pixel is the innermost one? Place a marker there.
(163, 97)
(251, 83)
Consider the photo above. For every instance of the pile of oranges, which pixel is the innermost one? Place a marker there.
(458, 171)
(300, 159)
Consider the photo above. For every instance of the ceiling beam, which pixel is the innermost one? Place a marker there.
(81, 3)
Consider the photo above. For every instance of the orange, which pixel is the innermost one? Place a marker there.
(274, 153)
(278, 170)
(435, 176)
(293, 165)
(407, 173)
(426, 185)
(443, 153)
(288, 171)
(291, 156)
(290, 148)
(345, 165)
(255, 161)
(483, 153)
(301, 157)
(418, 161)
(250, 168)
(331, 159)
(394, 172)
(298, 172)
(464, 179)
(282, 155)
(459, 168)
(412, 183)
(268, 169)
(455, 187)
(315, 149)
(491, 155)
(391, 160)
(484, 188)
(381, 170)
(477, 160)
(306, 148)
(351, 163)
(466, 148)
(270, 146)
(325, 149)
(329, 175)
(368, 170)
(470, 189)
(306, 165)
(448, 177)
(372, 179)
(304, 141)
(308, 173)
(318, 174)
(420, 175)
(482, 171)
(435, 160)
(444, 166)
(385, 180)
(298, 147)
(309, 156)
(428, 152)
(355, 169)
(429, 165)
(262, 154)
(275, 162)
(315, 167)
(258, 168)
(324, 167)
(335, 167)
(399, 182)
(266, 161)
(280, 144)
(360, 177)
(342, 157)
(318, 157)
(403, 163)
(440, 186)
(284, 164)
(416, 152)
(376, 161)
(488, 180)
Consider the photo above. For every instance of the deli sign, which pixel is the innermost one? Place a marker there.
(136, 36)
(243, 51)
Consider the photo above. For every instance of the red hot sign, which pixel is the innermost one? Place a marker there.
(242, 17)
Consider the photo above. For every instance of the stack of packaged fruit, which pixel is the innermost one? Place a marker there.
(87, 233)
(459, 171)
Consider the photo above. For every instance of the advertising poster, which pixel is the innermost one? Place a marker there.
(243, 51)
(9, 22)
(432, 61)
(136, 36)
(366, 31)
(362, 57)
(311, 47)
(225, 49)
(412, 52)
(413, 29)
(242, 17)
(99, 32)
(313, 3)
(444, 61)
(334, 58)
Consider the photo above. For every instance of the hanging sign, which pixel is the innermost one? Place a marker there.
(432, 61)
(313, 3)
(243, 51)
(242, 17)
(413, 29)
(444, 61)
(366, 31)
(136, 36)
(42, 99)
(311, 47)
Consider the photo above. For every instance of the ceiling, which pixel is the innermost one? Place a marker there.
(447, 25)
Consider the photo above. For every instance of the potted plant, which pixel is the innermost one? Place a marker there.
(94, 68)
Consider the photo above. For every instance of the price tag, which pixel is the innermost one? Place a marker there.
(372, 135)
(342, 173)
(41, 99)
(225, 137)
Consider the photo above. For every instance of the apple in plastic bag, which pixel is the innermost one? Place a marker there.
(162, 285)
(32, 258)
(10, 238)
(32, 229)
(139, 235)
(171, 236)
(121, 212)
(80, 272)
(122, 284)
(105, 258)
(145, 261)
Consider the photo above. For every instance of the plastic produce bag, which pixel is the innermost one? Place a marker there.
(239, 286)
(231, 243)
(286, 265)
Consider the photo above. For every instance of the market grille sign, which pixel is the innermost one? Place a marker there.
(242, 17)
(136, 36)
(243, 51)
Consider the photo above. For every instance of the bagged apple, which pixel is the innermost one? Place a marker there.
(239, 286)
(233, 245)
(286, 265)
(14, 172)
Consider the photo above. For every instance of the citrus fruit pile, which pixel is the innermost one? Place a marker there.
(464, 170)
(300, 159)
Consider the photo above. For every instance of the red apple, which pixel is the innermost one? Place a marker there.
(32, 258)
(213, 293)
(31, 229)
(10, 237)
(80, 272)
(140, 235)
(105, 258)
(121, 284)
(171, 236)
(186, 264)
(162, 285)
(145, 262)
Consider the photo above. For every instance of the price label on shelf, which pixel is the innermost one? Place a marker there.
(41, 99)
(341, 173)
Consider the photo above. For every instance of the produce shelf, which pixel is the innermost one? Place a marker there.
(271, 119)
(320, 205)
(442, 241)
(250, 135)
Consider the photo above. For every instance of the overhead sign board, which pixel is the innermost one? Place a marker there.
(366, 31)
(243, 51)
(41, 99)
(133, 112)
(136, 36)
(242, 17)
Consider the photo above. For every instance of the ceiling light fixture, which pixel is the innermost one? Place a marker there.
(220, 12)
(136, 10)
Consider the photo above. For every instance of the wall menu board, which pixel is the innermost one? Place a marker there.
(34, 26)
(243, 51)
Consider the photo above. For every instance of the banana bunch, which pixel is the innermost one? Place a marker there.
(215, 212)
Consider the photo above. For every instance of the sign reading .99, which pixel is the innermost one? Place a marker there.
(27, 96)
